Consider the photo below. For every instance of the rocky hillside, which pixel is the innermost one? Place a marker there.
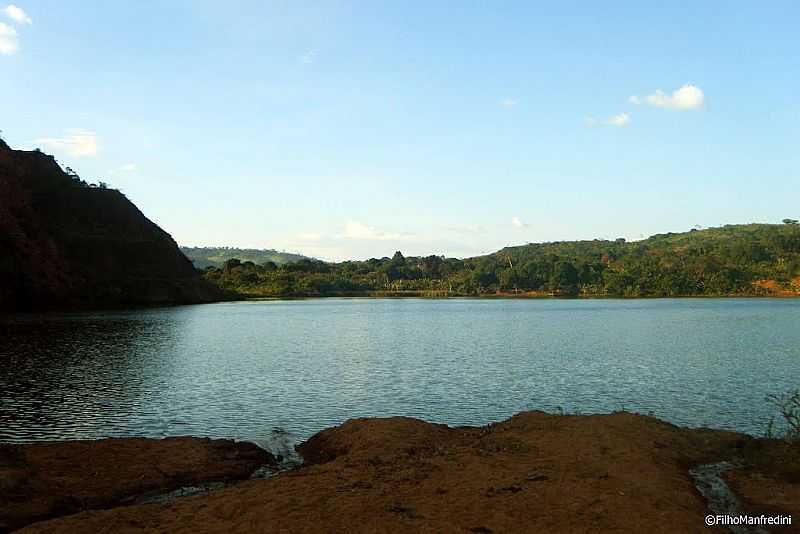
(65, 244)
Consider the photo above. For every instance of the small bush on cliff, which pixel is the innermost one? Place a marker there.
(788, 405)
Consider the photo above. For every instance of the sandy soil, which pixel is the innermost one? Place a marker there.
(40, 481)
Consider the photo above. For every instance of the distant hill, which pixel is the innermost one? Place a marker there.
(67, 244)
(736, 259)
(203, 257)
(744, 260)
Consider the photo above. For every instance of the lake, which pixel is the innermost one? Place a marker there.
(261, 369)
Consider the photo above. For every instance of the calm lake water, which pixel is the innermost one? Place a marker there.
(257, 370)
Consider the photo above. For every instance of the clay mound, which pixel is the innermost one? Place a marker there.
(533, 473)
(44, 480)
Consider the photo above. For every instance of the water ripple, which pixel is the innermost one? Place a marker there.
(242, 370)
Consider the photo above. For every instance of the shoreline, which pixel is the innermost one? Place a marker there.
(558, 473)
(503, 296)
(375, 296)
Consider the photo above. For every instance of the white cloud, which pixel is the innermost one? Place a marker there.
(9, 44)
(508, 103)
(309, 57)
(517, 222)
(76, 143)
(356, 230)
(623, 119)
(686, 98)
(17, 14)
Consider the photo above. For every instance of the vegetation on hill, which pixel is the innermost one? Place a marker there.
(752, 259)
(203, 257)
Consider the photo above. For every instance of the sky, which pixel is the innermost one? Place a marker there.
(349, 130)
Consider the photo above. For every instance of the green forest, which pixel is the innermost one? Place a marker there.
(203, 257)
(746, 260)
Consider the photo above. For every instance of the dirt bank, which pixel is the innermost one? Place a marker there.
(40, 481)
(535, 472)
(769, 480)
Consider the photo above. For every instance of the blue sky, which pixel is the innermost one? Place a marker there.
(354, 129)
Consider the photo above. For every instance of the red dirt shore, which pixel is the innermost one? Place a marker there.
(44, 480)
(535, 472)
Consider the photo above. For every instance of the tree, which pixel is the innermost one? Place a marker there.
(431, 266)
(790, 221)
(74, 177)
(714, 261)
(513, 279)
(394, 268)
(483, 279)
(565, 278)
(230, 265)
(535, 274)
(398, 259)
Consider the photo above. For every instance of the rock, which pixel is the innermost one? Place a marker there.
(44, 480)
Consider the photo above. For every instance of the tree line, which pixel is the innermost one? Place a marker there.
(749, 259)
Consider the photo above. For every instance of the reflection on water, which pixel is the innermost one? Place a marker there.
(243, 369)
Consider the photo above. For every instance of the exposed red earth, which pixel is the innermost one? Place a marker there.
(535, 472)
(44, 480)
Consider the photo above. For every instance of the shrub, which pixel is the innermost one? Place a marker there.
(788, 405)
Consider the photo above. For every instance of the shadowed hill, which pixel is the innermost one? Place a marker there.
(66, 244)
